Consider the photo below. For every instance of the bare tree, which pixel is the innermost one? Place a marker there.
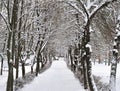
(86, 53)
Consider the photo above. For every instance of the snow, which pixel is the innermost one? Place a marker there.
(118, 33)
(89, 3)
(30, 60)
(115, 50)
(89, 46)
(91, 30)
(97, 6)
(94, 85)
(3, 78)
(114, 43)
(113, 61)
(77, 8)
(11, 61)
(84, 53)
(112, 84)
(60, 78)
(103, 71)
(119, 17)
(57, 78)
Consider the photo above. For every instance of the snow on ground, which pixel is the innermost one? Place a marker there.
(60, 78)
(104, 72)
(3, 78)
(27, 67)
(56, 78)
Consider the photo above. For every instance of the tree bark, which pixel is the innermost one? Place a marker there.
(23, 69)
(11, 38)
(10, 69)
(19, 48)
(1, 64)
(84, 72)
(38, 63)
(83, 63)
(114, 64)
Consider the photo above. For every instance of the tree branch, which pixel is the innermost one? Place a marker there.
(75, 7)
(84, 8)
(5, 22)
(100, 7)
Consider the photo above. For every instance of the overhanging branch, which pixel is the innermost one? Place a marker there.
(84, 8)
(100, 7)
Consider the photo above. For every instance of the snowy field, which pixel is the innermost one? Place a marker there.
(57, 78)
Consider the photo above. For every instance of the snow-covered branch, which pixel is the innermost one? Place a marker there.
(8, 27)
(84, 8)
(75, 7)
(89, 46)
(90, 4)
(104, 4)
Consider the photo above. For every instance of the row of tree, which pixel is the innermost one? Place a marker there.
(79, 54)
(30, 25)
(40, 28)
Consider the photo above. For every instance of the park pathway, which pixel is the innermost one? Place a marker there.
(57, 78)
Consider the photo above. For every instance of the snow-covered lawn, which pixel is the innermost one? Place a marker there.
(56, 78)
(104, 72)
(3, 78)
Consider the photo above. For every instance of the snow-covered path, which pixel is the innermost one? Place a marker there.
(56, 78)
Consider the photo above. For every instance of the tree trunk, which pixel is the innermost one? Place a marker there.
(71, 58)
(4, 45)
(19, 49)
(23, 69)
(10, 69)
(31, 69)
(11, 38)
(113, 75)
(83, 62)
(114, 65)
(38, 63)
(39, 55)
(109, 58)
(10, 78)
(1, 64)
(89, 74)
(18, 54)
(84, 72)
